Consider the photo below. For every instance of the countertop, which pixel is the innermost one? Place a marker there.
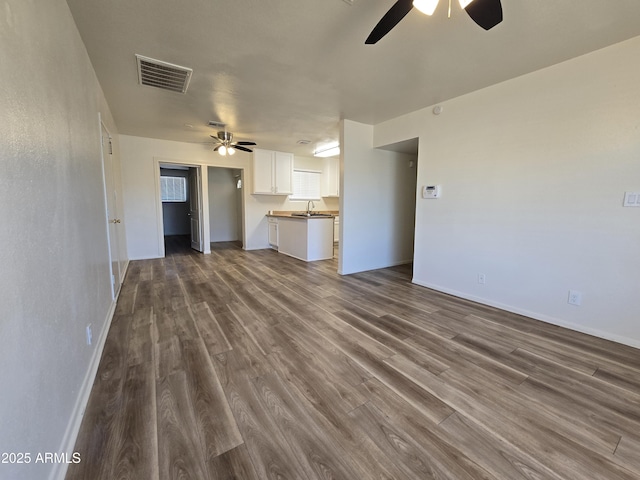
(287, 214)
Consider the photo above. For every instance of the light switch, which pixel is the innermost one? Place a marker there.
(631, 199)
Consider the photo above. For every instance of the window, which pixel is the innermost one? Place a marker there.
(306, 185)
(174, 189)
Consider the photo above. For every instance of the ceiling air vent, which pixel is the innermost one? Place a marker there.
(167, 76)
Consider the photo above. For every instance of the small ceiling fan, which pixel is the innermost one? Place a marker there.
(227, 146)
(486, 13)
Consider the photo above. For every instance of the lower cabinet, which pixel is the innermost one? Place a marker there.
(336, 229)
(273, 232)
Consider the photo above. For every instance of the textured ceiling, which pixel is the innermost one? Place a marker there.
(277, 71)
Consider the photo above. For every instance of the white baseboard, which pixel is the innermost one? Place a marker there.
(378, 267)
(535, 315)
(59, 470)
(124, 272)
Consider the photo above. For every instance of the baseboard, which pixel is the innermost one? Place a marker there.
(59, 470)
(535, 315)
(378, 267)
(124, 273)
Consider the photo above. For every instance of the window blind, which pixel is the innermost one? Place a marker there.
(306, 185)
(173, 189)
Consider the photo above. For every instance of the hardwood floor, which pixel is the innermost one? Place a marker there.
(254, 365)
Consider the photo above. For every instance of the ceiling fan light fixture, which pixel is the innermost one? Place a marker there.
(222, 150)
(428, 6)
(231, 150)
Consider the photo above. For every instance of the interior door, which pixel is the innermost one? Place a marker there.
(113, 217)
(194, 209)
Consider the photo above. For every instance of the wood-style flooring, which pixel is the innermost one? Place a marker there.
(253, 365)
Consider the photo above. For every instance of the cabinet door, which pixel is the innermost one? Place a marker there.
(263, 172)
(273, 234)
(331, 177)
(283, 173)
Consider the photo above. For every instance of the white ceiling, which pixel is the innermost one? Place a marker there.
(277, 71)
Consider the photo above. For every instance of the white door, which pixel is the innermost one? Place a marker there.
(113, 217)
(194, 209)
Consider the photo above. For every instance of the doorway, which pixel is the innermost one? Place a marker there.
(180, 192)
(405, 195)
(225, 204)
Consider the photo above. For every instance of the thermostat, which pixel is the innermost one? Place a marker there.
(431, 191)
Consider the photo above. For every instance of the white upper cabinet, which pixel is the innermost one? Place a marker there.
(331, 177)
(272, 172)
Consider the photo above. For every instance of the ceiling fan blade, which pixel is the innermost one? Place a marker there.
(390, 20)
(216, 138)
(237, 147)
(486, 13)
(245, 143)
(217, 148)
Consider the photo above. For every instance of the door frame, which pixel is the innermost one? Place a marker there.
(202, 205)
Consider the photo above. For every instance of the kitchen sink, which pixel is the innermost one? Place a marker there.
(312, 214)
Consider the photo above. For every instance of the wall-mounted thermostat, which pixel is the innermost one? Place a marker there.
(431, 191)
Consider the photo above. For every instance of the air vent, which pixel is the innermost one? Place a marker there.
(155, 73)
(214, 124)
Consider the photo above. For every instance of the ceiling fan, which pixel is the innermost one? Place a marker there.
(227, 146)
(486, 13)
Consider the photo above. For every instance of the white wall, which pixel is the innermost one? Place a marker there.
(139, 155)
(55, 266)
(533, 173)
(377, 203)
(223, 205)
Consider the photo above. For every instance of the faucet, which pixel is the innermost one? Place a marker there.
(313, 205)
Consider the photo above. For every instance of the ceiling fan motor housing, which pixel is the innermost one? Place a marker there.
(225, 136)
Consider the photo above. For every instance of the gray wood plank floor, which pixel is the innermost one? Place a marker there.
(253, 365)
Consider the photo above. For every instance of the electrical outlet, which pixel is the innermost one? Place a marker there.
(89, 335)
(575, 297)
(482, 279)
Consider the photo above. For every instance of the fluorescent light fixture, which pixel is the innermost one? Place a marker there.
(426, 6)
(328, 152)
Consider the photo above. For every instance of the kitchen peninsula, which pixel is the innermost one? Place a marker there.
(307, 237)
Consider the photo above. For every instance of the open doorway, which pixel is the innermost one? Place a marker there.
(405, 194)
(180, 195)
(225, 204)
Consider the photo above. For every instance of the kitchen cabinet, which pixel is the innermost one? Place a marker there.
(272, 172)
(331, 177)
(304, 238)
(273, 232)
